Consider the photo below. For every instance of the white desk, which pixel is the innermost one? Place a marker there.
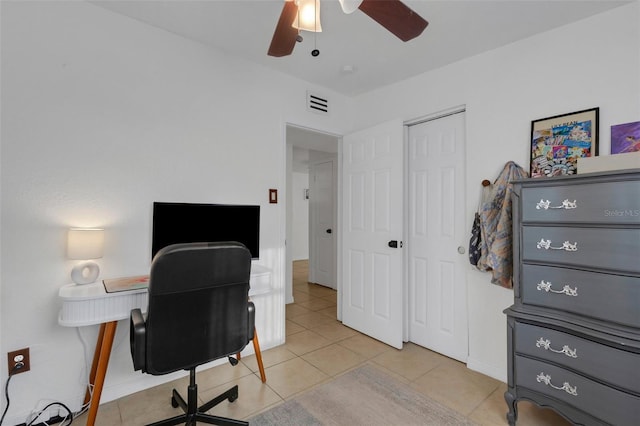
(90, 304)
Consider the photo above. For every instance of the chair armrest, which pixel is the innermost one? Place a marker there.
(251, 323)
(138, 339)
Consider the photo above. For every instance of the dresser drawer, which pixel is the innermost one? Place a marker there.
(608, 404)
(614, 298)
(604, 248)
(605, 202)
(610, 365)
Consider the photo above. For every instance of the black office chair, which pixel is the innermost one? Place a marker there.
(199, 311)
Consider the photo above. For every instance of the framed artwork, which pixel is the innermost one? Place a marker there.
(557, 142)
(625, 138)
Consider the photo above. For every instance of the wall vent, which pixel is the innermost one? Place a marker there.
(317, 103)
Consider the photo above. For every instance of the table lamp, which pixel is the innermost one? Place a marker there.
(85, 244)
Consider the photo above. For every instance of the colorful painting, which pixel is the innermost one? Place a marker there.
(557, 142)
(625, 138)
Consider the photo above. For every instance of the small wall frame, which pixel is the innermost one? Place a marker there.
(625, 138)
(557, 142)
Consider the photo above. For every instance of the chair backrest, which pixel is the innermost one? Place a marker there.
(198, 303)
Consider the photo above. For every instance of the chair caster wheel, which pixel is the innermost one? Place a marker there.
(174, 403)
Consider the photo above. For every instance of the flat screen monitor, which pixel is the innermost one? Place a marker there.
(175, 223)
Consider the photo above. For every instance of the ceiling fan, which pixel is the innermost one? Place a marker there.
(393, 15)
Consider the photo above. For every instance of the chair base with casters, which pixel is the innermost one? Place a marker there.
(193, 413)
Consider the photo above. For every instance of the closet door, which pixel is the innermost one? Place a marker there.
(437, 302)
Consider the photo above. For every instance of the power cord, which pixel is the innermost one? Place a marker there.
(85, 346)
(15, 368)
(68, 416)
(85, 407)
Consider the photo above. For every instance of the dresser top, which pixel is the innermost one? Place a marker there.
(613, 175)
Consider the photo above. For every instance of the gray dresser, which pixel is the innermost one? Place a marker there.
(574, 328)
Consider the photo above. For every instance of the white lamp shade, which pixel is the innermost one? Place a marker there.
(84, 244)
(308, 16)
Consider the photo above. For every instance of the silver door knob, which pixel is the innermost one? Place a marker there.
(460, 249)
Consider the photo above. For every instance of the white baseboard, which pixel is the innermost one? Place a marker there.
(147, 381)
(488, 370)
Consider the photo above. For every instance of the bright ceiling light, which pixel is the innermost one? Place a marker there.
(308, 17)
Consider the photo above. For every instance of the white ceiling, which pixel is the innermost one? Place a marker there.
(457, 29)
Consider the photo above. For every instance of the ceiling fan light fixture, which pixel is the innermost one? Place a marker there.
(395, 16)
(308, 16)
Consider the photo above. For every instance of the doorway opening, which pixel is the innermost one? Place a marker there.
(311, 177)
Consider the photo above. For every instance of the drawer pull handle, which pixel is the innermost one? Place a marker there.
(566, 246)
(566, 204)
(546, 344)
(546, 379)
(546, 286)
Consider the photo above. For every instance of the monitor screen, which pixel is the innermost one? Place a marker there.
(175, 223)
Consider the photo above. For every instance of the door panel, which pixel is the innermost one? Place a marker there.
(356, 288)
(322, 209)
(372, 275)
(437, 284)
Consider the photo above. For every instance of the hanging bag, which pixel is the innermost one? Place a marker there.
(474, 242)
(476, 238)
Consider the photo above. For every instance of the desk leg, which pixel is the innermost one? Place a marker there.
(103, 351)
(94, 365)
(256, 349)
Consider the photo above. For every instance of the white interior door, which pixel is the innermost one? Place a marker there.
(372, 215)
(436, 230)
(322, 212)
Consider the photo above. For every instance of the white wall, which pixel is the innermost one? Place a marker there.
(101, 116)
(300, 223)
(592, 63)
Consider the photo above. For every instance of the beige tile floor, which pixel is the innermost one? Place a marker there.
(317, 349)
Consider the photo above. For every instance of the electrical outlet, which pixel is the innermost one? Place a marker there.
(15, 358)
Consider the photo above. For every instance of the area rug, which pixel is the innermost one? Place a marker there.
(364, 396)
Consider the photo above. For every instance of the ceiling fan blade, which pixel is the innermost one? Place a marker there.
(284, 37)
(349, 6)
(396, 17)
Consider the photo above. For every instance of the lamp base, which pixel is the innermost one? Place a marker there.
(85, 273)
